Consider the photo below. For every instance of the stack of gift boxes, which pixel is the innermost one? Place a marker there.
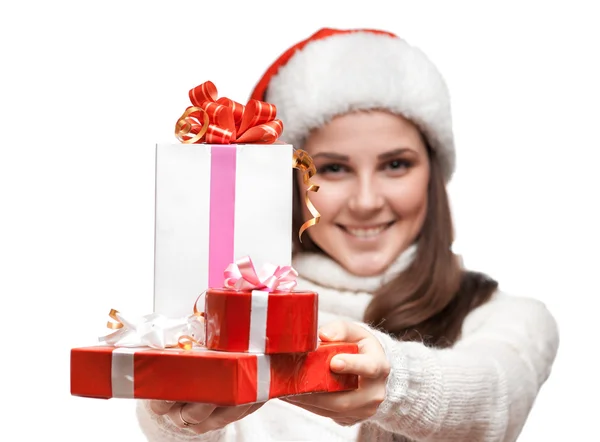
(229, 325)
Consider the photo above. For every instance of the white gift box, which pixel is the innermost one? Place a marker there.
(215, 204)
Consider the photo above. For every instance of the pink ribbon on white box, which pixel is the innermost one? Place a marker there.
(222, 204)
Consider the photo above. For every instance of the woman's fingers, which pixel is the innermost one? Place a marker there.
(161, 407)
(190, 415)
(352, 404)
(360, 364)
(346, 420)
(337, 402)
(371, 366)
(370, 362)
(313, 409)
(223, 416)
(202, 418)
(343, 331)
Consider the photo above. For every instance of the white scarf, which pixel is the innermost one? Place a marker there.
(324, 271)
(340, 292)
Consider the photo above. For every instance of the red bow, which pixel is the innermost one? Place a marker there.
(224, 121)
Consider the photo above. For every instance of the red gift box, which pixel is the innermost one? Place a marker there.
(259, 312)
(260, 321)
(201, 375)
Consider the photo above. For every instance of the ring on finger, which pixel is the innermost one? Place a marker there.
(185, 422)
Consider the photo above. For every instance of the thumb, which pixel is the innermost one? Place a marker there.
(339, 331)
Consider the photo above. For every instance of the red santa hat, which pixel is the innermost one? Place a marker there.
(337, 71)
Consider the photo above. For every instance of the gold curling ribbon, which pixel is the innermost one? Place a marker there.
(114, 325)
(304, 163)
(187, 342)
(183, 126)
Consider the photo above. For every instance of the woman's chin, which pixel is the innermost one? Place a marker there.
(366, 266)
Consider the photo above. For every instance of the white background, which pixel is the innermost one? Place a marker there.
(87, 89)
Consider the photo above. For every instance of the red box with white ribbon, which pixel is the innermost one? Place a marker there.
(258, 312)
(258, 321)
(201, 375)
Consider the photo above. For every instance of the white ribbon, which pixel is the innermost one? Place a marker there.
(263, 377)
(160, 332)
(121, 373)
(258, 321)
(155, 331)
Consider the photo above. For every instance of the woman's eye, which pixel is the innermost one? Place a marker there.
(398, 164)
(331, 168)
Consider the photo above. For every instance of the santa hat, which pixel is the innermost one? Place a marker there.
(336, 71)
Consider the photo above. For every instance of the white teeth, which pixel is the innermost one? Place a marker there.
(366, 233)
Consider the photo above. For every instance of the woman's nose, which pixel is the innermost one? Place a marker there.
(367, 196)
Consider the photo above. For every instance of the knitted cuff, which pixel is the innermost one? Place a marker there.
(411, 379)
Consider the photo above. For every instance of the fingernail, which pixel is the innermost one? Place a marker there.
(338, 364)
(327, 333)
(169, 402)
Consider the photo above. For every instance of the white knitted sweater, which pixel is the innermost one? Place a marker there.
(481, 389)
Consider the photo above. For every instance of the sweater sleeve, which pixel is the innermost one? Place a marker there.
(483, 388)
(160, 429)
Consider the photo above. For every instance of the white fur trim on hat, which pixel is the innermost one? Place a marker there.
(361, 71)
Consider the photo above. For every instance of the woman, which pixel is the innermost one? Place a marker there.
(444, 354)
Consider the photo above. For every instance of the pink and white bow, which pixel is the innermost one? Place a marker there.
(241, 275)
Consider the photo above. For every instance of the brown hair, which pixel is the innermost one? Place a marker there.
(430, 299)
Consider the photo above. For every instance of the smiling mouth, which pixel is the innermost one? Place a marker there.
(366, 232)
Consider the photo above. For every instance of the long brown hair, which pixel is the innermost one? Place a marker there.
(429, 300)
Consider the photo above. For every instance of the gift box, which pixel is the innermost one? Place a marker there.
(213, 204)
(260, 312)
(201, 375)
(261, 322)
(226, 191)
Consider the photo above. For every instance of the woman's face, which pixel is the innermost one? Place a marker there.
(373, 169)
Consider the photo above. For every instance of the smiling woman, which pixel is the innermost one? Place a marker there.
(378, 205)
(444, 355)
(373, 169)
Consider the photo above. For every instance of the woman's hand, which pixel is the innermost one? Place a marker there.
(201, 418)
(370, 364)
